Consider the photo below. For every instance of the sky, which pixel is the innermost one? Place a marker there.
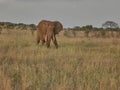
(69, 12)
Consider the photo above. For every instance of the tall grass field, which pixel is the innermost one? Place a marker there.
(80, 63)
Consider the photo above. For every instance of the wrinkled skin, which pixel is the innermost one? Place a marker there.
(46, 30)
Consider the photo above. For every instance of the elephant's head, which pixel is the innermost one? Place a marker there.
(58, 26)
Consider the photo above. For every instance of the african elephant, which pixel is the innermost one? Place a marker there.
(46, 30)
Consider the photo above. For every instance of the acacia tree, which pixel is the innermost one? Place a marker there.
(110, 24)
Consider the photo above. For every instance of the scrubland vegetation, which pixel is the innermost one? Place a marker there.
(82, 62)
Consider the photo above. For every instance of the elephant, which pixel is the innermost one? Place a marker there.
(46, 31)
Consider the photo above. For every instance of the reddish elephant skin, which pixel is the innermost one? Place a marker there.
(46, 31)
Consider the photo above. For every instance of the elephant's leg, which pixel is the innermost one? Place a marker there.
(48, 44)
(48, 40)
(43, 41)
(55, 41)
(37, 36)
(37, 40)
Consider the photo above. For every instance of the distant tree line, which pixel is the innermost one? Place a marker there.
(108, 29)
(108, 25)
(21, 26)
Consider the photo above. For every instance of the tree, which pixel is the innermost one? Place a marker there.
(32, 26)
(76, 28)
(87, 27)
(10, 25)
(110, 24)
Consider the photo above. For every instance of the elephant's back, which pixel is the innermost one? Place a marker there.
(44, 23)
(43, 26)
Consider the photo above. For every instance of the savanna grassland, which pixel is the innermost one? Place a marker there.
(79, 63)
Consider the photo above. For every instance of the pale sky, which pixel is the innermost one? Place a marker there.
(70, 12)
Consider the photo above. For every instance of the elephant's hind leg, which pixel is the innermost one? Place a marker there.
(43, 42)
(37, 40)
(55, 41)
(37, 37)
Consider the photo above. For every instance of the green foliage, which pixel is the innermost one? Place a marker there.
(87, 27)
(110, 24)
(76, 28)
(32, 26)
(21, 26)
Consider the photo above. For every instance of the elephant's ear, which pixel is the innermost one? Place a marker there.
(58, 27)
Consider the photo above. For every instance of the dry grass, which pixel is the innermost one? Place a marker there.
(78, 63)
